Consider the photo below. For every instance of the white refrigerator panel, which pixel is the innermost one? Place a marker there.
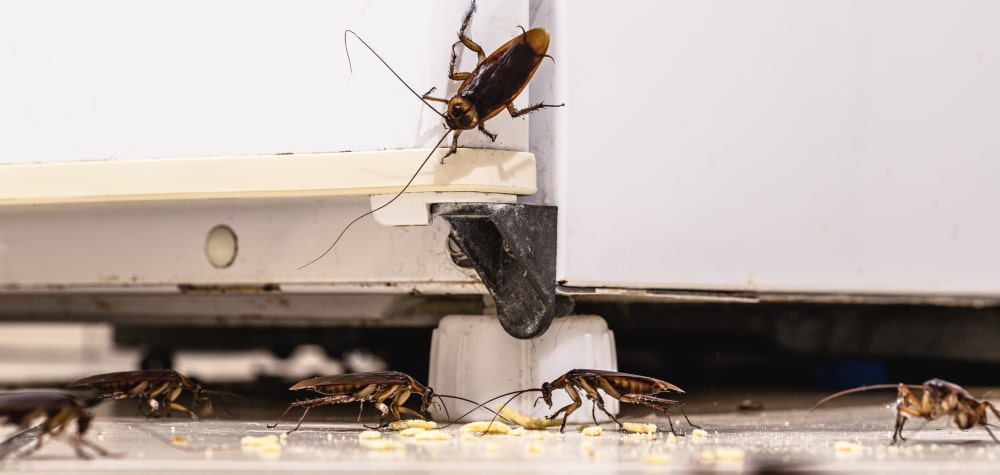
(121, 79)
(828, 146)
(130, 129)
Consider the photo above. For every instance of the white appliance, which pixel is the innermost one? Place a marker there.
(746, 151)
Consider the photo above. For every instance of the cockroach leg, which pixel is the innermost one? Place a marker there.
(307, 405)
(452, 74)
(658, 403)
(515, 112)
(454, 145)
(465, 40)
(492, 136)
(428, 96)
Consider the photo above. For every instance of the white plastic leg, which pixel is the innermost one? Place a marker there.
(472, 357)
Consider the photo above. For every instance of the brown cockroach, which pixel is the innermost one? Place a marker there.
(494, 83)
(387, 390)
(491, 87)
(59, 410)
(147, 385)
(630, 388)
(939, 398)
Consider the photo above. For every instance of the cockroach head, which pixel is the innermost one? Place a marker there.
(427, 400)
(199, 396)
(461, 114)
(546, 394)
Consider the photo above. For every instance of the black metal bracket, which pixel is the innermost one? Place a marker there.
(513, 249)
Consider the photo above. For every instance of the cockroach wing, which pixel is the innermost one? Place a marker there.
(378, 377)
(126, 377)
(496, 81)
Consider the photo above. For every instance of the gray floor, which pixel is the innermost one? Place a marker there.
(839, 439)
(852, 435)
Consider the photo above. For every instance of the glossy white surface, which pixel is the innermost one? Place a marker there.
(472, 356)
(269, 176)
(834, 146)
(116, 79)
(205, 101)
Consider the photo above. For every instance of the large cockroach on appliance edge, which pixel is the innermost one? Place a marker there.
(630, 388)
(491, 87)
(939, 398)
(59, 410)
(387, 390)
(147, 385)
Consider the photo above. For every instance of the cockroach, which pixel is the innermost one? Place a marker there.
(494, 83)
(491, 87)
(938, 398)
(630, 388)
(147, 385)
(387, 390)
(21, 408)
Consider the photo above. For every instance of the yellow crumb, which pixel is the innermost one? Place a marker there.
(370, 435)
(433, 435)
(843, 446)
(265, 446)
(671, 438)
(517, 432)
(269, 448)
(180, 440)
(639, 428)
(257, 441)
(593, 431)
(699, 434)
(533, 449)
(411, 431)
(656, 459)
(532, 423)
(485, 427)
(411, 423)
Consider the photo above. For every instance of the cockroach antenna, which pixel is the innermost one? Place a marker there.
(386, 64)
(387, 203)
(491, 87)
(415, 174)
